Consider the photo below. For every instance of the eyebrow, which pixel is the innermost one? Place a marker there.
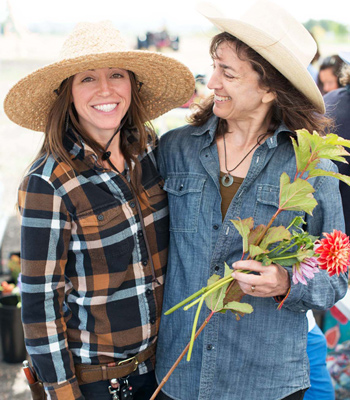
(224, 66)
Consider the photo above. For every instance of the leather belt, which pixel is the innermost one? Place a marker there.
(86, 373)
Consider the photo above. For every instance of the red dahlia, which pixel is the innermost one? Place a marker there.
(334, 252)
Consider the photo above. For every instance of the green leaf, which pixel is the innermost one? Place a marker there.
(256, 251)
(234, 294)
(321, 172)
(288, 262)
(255, 234)
(302, 149)
(214, 301)
(274, 235)
(244, 226)
(234, 306)
(296, 196)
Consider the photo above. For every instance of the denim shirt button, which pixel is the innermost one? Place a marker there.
(216, 227)
(210, 347)
(216, 268)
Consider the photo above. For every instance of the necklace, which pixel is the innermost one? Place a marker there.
(227, 179)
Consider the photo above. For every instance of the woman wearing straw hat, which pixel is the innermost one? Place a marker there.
(94, 215)
(227, 164)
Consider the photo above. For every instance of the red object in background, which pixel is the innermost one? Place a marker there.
(338, 315)
(332, 336)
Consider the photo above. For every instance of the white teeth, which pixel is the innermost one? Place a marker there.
(105, 107)
(220, 98)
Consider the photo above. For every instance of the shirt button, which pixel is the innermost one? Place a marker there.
(100, 217)
(145, 262)
(148, 292)
(217, 268)
(210, 347)
(132, 204)
(216, 227)
(140, 234)
(153, 321)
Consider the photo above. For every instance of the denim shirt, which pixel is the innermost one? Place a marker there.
(262, 356)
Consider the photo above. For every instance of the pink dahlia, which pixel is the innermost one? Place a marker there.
(306, 268)
(334, 252)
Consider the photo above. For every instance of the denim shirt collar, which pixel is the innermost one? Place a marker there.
(212, 123)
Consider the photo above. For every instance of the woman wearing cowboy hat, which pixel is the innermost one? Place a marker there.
(94, 215)
(226, 165)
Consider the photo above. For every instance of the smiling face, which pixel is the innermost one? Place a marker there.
(238, 95)
(101, 98)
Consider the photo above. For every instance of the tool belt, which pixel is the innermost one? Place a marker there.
(93, 373)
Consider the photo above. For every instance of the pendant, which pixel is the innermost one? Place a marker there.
(227, 180)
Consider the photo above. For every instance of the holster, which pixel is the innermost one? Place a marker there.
(37, 391)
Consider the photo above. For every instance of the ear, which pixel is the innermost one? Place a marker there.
(268, 97)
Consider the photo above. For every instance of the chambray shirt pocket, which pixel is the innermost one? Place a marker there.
(267, 203)
(184, 195)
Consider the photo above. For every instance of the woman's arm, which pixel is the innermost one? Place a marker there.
(45, 236)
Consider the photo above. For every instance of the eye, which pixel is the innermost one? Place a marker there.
(117, 75)
(228, 76)
(87, 79)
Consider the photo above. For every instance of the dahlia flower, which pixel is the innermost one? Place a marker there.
(333, 253)
(306, 268)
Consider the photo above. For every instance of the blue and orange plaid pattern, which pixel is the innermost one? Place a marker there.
(88, 294)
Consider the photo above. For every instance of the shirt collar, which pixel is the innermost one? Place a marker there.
(211, 125)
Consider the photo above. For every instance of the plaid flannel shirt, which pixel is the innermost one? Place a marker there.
(88, 291)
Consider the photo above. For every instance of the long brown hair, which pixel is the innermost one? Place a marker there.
(290, 105)
(56, 130)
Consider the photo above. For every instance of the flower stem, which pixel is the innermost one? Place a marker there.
(177, 362)
(213, 289)
(194, 295)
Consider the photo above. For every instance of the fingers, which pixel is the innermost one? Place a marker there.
(267, 281)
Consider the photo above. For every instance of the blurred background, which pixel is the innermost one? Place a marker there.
(31, 34)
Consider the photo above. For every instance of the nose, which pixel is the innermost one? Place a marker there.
(214, 81)
(104, 86)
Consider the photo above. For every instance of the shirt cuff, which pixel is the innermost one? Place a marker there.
(68, 390)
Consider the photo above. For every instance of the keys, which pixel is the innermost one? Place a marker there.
(125, 391)
(120, 389)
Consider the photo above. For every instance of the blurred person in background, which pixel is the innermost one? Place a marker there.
(94, 227)
(338, 107)
(329, 74)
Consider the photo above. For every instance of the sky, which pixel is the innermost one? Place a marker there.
(153, 14)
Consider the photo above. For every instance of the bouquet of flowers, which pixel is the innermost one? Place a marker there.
(286, 246)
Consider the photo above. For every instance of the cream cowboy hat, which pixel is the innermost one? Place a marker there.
(276, 36)
(166, 82)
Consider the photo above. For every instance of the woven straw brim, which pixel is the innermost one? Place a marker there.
(167, 84)
(276, 54)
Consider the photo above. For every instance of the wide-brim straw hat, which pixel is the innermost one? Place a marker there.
(273, 33)
(166, 82)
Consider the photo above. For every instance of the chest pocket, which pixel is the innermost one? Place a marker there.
(267, 202)
(185, 196)
(104, 236)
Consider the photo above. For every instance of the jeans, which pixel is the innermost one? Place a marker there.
(143, 388)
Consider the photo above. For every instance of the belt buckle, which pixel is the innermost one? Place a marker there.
(129, 360)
